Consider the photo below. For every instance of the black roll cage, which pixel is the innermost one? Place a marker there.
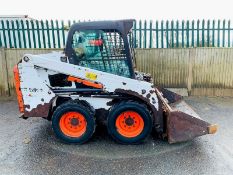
(122, 26)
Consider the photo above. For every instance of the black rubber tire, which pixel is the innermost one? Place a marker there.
(75, 107)
(124, 106)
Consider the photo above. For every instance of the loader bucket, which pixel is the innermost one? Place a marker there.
(183, 123)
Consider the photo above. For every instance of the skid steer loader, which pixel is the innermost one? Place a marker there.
(94, 81)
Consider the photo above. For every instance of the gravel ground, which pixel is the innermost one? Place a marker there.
(30, 147)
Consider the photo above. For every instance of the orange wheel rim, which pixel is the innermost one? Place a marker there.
(129, 124)
(73, 124)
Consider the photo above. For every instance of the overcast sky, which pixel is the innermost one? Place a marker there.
(119, 9)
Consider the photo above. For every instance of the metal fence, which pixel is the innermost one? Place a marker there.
(183, 34)
(33, 34)
(147, 34)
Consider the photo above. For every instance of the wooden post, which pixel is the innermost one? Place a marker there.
(4, 83)
(190, 70)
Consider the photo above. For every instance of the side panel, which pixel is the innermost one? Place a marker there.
(110, 82)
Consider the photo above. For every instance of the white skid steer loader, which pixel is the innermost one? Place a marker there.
(94, 81)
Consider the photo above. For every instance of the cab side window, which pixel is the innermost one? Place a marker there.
(101, 50)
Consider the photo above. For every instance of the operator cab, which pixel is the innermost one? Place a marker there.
(103, 46)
